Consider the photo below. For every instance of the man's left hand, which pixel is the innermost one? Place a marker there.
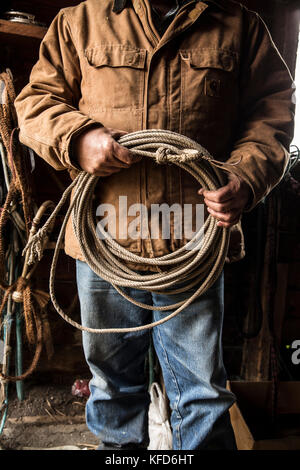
(227, 203)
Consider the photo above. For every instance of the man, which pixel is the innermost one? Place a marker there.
(210, 71)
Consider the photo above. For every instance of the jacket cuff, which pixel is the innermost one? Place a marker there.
(237, 169)
(69, 152)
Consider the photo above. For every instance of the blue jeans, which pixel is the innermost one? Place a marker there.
(189, 350)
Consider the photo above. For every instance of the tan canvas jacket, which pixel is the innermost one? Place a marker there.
(215, 76)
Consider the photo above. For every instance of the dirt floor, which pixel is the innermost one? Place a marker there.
(49, 417)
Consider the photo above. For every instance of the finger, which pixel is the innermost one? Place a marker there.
(227, 217)
(221, 207)
(136, 158)
(223, 194)
(122, 153)
(228, 224)
(116, 133)
(117, 163)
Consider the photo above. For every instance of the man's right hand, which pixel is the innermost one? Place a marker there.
(97, 152)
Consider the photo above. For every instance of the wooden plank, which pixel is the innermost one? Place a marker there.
(40, 420)
(10, 28)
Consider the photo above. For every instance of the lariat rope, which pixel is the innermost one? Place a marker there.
(199, 262)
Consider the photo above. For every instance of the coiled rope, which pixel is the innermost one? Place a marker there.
(200, 262)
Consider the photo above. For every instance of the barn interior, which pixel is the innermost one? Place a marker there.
(261, 333)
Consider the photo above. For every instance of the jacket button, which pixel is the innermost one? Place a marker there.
(129, 59)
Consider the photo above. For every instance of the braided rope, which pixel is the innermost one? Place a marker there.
(200, 266)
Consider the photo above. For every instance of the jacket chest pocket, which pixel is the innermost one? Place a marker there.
(115, 77)
(208, 81)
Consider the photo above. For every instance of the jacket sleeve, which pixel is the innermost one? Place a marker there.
(47, 108)
(266, 120)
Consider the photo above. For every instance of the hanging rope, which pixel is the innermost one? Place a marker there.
(34, 302)
(15, 221)
(198, 263)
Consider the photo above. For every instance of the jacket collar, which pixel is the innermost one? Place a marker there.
(119, 5)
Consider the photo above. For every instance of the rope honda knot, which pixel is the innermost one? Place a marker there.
(165, 155)
(162, 155)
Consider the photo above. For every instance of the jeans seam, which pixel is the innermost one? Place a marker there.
(176, 403)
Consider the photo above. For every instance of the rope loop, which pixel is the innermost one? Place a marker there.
(196, 265)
